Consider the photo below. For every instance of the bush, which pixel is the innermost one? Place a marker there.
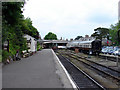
(5, 55)
(0, 58)
(0, 52)
(38, 46)
(0, 55)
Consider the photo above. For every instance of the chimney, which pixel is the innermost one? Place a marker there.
(86, 36)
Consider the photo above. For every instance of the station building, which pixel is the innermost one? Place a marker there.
(86, 38)
(53, 43)
(31, 43)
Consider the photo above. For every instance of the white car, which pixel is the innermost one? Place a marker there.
(104, 50)
(62, 47)
(116, 52)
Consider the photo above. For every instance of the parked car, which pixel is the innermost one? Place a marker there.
(62, 47)
(117, 52)
(110, 51)
(104, 50)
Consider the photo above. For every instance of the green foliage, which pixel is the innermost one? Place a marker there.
(101, 33)
(111, 33)
(5, 55)
(114, 33)
(29, 29)
(51, 36)
(0, 55)
(0, 52)
(14, 26)
(38, 46)
(78, 37)
(11, 16)
(0, 58)
(11, 12)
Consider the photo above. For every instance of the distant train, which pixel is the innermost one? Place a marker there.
(91, 46)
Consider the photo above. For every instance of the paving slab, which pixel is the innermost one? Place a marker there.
(42, 70)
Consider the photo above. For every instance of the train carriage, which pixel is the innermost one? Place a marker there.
(91, 46)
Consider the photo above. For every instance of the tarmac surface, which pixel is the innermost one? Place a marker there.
(42, 70)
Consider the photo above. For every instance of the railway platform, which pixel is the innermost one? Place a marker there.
(42, 70)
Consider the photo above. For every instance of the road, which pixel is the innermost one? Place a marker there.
(37, 71)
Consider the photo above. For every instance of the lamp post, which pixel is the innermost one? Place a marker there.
(107, 39)
(118, 56)
(107, 45)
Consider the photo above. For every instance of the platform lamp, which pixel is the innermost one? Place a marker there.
(119, 44)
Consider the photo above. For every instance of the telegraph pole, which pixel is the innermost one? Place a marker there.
(118, 56)
(118, 36)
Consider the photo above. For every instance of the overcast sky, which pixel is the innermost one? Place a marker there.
(71, 18)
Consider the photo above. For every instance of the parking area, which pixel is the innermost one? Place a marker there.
(111, 50)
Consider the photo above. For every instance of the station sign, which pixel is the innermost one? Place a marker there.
(6, 45)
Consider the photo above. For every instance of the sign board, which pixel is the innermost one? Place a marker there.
(6, 45)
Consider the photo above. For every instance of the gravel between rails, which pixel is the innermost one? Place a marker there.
(81, 79)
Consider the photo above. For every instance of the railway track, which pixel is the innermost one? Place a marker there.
(114, 59)
(109, 58)
(81, 79)
(92, 62)
(86, 58)
(104, 71)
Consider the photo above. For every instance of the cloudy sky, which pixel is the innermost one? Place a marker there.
(70, 18)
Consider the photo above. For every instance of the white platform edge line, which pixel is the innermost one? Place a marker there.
(71, 81)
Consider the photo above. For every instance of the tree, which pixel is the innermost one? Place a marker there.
(78, 37)
(50, 36)
(114, 33)
(11, 26)
(11, 12)
(14, 26)
(29, 29)
(111, 33)
(101, 33)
